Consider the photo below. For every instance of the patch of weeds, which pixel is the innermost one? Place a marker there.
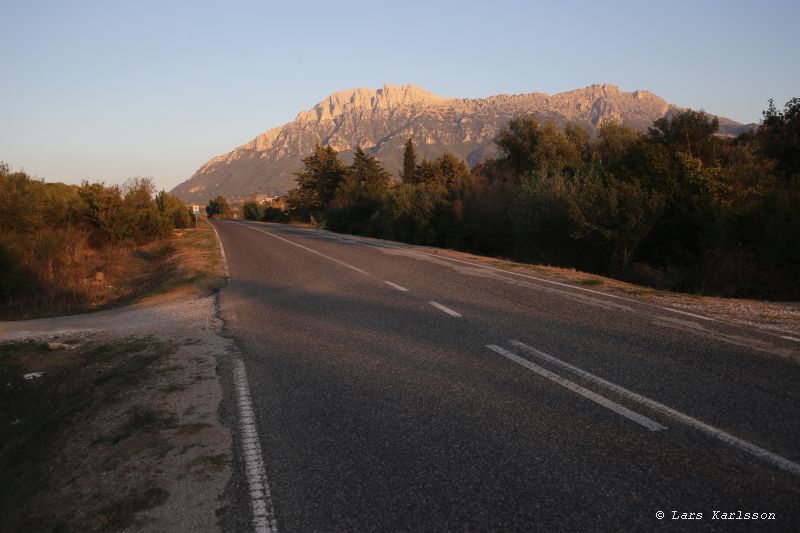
(214, 463)
(144, 419)
(9, 349)
(191, 429)
(159, 449)
(122, 513)
(497, 262)
(633, 291)
(162, 251)
(34, 414)
(189, 447)
(126, 363)
(173, 387)
(590, 282)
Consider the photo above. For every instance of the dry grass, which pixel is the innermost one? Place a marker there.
(77, 278)
(194, 264)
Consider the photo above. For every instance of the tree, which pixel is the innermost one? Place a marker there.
(251, 211)
(360, 196)
(616, 150)
(452, 170)
(446, 171)
(618, 214)
(409, 163)
(172, 208)
(688, 131)
(366, 170)
(218, 207)
(140, 213)
(779, 139)
(527, 146)
(102, 212)
(317, 184)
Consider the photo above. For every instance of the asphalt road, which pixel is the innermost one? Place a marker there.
(394, 390)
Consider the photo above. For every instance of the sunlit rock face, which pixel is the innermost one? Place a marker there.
(382, 120)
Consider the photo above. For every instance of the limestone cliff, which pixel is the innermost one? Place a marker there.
(380, 121)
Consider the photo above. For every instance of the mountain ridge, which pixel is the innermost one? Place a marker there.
(381, 120)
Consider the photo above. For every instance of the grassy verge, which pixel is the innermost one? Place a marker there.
(189, 260)
(194, 263)
(36, 415)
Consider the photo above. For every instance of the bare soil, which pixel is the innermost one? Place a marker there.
(120, 429)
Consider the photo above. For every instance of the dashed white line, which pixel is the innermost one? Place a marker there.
(574, 387)
(306, 248)
(445, 309)
(411, 249)
(260, 495)
(719, 434)
(396, 286)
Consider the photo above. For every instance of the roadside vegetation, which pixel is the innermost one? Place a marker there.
(75, 384)
(67, 249)
(676, 208)
(218, 208)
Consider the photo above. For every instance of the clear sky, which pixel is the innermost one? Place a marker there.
(110, 89)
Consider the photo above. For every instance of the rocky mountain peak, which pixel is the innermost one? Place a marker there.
(363, 99)
(381, 120)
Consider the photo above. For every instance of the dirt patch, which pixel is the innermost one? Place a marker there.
(117, 432)
(117, 427)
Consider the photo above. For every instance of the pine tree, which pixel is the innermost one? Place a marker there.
(317, 184)
(366, 170)
(409, 163)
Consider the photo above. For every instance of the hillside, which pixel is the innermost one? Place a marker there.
(381, 120)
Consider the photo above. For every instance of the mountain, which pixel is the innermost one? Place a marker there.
(380, 121)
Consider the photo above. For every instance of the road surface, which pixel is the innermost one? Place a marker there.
(382, 387)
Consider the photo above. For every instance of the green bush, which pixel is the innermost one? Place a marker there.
(678, 208)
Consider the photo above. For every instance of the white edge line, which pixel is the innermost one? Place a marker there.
(260, 494)
(788, 338)
(701, 317)
(577, 389)
(222, 252)
(396, 286)
(412, 249)
(719, 434)
(445, 309)
(329, 258)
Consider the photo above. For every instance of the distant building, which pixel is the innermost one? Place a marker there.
(261, 199)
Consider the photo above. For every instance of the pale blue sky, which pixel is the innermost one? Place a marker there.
(107, 90)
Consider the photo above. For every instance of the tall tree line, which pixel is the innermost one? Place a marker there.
(677, 207)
